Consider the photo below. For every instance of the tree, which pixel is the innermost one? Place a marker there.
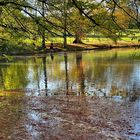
(45, 18)
(107, 22)
(78, 25)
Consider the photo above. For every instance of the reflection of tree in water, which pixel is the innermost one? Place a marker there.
(1, 79)
(66, 73)
(80, 73)
(45, 73)
(122, 82)
(108, 75)
(52, 56)
(14, 76)
(36, 70)
(133, 95)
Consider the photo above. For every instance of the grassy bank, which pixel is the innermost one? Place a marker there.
(58, 47)
(27, 46)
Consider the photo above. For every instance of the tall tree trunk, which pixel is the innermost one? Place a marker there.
(43, 40)
(65, 23)
(43, 30)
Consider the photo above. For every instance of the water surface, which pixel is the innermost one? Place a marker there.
(101, 73)
(98, 96)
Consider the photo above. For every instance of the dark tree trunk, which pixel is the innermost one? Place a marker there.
(65, 24)
(43, 30)
(43, 40)
(78, 40)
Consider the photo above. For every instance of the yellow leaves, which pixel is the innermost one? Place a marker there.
(78, 24)
(121, 18)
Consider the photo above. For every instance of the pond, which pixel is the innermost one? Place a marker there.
(36, 91)
(101, 73)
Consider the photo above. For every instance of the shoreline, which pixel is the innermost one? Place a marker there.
(72, 48)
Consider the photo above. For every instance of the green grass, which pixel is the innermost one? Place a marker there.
(101, 40)
(21, 44)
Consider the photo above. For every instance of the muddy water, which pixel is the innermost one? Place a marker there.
(80, 95)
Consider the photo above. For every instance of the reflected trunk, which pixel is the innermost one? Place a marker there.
(80, 72)
(45, 74)
(52, 56)
(66, 73)
(2, 79)
(37, 75)
(133, 96)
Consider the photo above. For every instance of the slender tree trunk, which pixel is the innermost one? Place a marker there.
(65, 23)
(43, 30)
(43, 40)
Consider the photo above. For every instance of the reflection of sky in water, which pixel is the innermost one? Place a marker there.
(78, 72)
(73, 75)
(113, 81)
(136, 75)
(33, 117)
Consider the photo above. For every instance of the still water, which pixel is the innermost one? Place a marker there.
(105, 101)
(101, 73)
